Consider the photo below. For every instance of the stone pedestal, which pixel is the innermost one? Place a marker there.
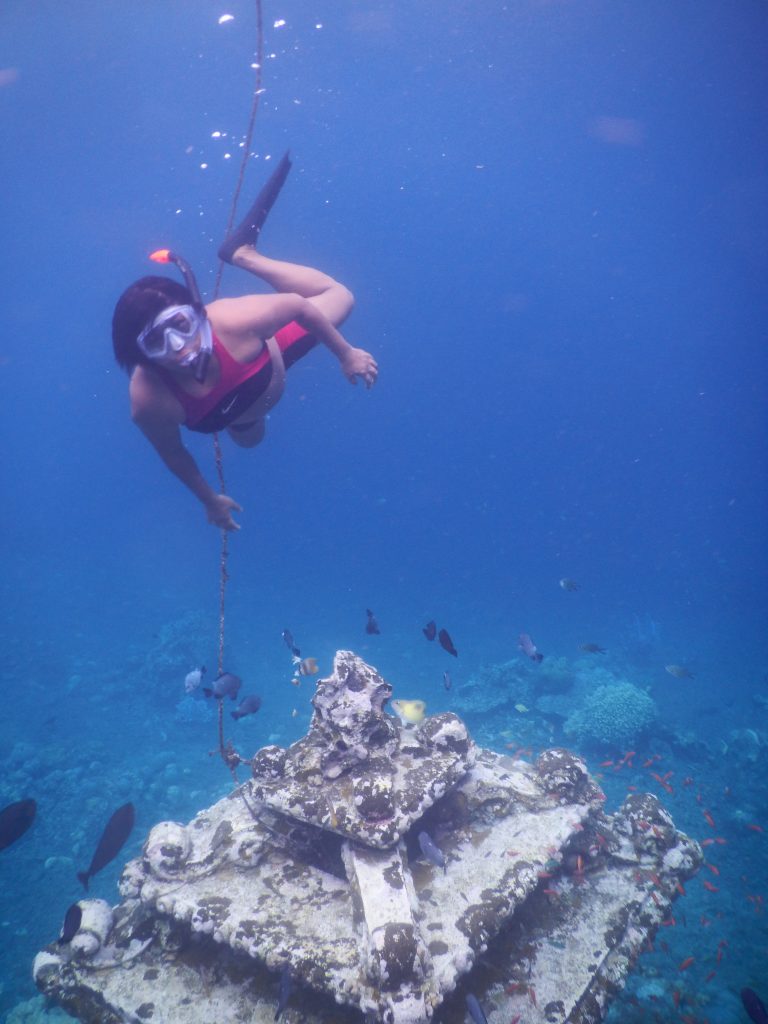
(314, 865)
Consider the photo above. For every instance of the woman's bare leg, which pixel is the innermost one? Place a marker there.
(333, 299)
(251, 436)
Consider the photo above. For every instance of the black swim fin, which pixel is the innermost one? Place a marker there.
(247, 232)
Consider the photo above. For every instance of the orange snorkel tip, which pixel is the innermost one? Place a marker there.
(161, 256)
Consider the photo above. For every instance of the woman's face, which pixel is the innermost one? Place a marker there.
(175, 336)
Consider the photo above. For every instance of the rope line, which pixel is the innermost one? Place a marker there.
(228, 754)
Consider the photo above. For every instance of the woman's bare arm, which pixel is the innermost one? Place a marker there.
(162, 431)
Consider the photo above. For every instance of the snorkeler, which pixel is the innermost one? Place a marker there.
(221, 366)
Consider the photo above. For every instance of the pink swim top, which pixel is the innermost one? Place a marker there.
(239, 384)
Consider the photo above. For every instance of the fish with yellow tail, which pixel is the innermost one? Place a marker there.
(410, 712)
(303, 667)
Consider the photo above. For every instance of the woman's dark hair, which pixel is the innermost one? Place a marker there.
(138, 306)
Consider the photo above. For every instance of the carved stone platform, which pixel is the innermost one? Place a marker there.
(314, 866)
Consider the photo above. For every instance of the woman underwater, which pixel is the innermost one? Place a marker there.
(221, 366)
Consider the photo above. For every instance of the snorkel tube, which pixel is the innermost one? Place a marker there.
(203, 357)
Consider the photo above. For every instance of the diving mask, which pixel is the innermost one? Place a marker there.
(176, 327)
(172, 330)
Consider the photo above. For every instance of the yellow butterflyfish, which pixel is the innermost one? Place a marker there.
(410, 712)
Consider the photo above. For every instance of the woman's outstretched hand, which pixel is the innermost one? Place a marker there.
(219, 511)
(359, 363)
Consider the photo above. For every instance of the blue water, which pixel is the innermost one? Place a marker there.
(554, 217)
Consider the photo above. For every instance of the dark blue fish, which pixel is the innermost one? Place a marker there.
(431, 851)
(475, 1010)
(447, 680)
(288, 637)
(71, 926)
(753, 1004)
(15, 819)
(248, 706)
(113, 838)
(446, 643)
(430, 630)
(371, 626)
(286, 987)
(225, 685)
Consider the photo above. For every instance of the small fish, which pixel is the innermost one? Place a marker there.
(678, 671)
(430, 630)
(15, 819)
(592, 648)
(371, 626)
(248, 706)
(225, 685)
(754, 1006)
(286, 987)
(569, 584)
(521, 708)
(475, 1009)
(333, 818)
(71, 926)
(447, 680)
(431, 850)
(410, 712)
(193, 679)
(528, 647)
(446, 643)
(113, 838)
(305, 667)
(288, 638)
(295, 713)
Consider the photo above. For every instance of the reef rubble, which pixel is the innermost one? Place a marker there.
(314, 867)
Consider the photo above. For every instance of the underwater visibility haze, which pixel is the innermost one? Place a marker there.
(553, 215)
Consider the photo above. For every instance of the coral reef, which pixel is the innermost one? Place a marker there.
(613, 715)
(181, 644)
(36, 1011)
